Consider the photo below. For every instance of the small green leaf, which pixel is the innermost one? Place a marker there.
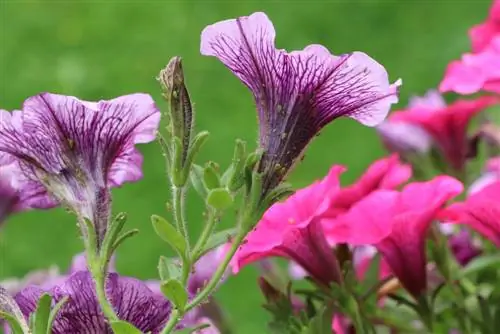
(123, 327)
(169, 268)
(175, 292)
(219, 198)
(481, 263)
(169, 233)
(217, 239)
(196, 177)
(14, 324)
(211, 177)
(198, 141)
(42, 314)
(321, 323)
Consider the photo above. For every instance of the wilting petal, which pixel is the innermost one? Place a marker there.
(131, 299)
(447, 126)
(76, 149)
(481, 212)
(297, 93)
(475, 72)
(291, 229)
(482, 34)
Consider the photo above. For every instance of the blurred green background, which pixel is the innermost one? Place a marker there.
(101, 49)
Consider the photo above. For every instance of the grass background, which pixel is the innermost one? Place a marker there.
(101, 49)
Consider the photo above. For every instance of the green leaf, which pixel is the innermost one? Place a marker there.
(196, 177)
(481, 263)
(169, 233)
(321, 323)
(198, 141)
(169, 268)
(42, 314)
(219, 198)
(211, 177)
(14, 324)
(175, 292)
(217, 239)
(123, 327)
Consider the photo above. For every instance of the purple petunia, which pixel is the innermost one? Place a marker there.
(70, 151)
(132, 301)
(297, 93)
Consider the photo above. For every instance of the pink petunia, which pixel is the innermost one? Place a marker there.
(475, 71)
(446, 125)
(481, 212)
(407, 214)
(292, 229)
(482, 34)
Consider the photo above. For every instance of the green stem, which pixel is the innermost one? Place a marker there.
(212, 284)
(205, 234)
(178, 194)
(170, 326)
(209, 288)
(106, 306)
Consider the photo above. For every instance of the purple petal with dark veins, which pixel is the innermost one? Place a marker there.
(297, 93)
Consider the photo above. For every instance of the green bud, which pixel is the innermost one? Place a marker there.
(219, 198)
(210, 176)
(171, 79)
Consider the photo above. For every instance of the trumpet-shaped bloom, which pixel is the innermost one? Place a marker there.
(446, 125)
(131, 299)
(481, 212)
(475, 71)
(408, 214)
(299, 92)
(292, 229)
(482, 34)
(73, 151)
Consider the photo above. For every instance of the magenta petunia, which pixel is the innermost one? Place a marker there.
(463, 247)
(482, 34)
(475, 71)
(297, 93)
(292, 229)
(407, 214)
(385, 173)
(72, 151)
(446, 125)
(480, 211)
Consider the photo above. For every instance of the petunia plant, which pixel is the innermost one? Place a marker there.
(411, 246)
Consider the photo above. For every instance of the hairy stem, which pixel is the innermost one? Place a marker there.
(178, 196)
(205, 234)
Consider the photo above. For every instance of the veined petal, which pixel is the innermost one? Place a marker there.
(297, 93)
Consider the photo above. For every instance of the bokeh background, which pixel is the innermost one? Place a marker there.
(101, 49)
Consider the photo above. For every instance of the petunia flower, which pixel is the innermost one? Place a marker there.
(480, 211)
(408, 214)
(72, 151)
(131, 299)
(475, 71)
(291, 229)
(297, 93)
(446, 125)
(482, 34)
